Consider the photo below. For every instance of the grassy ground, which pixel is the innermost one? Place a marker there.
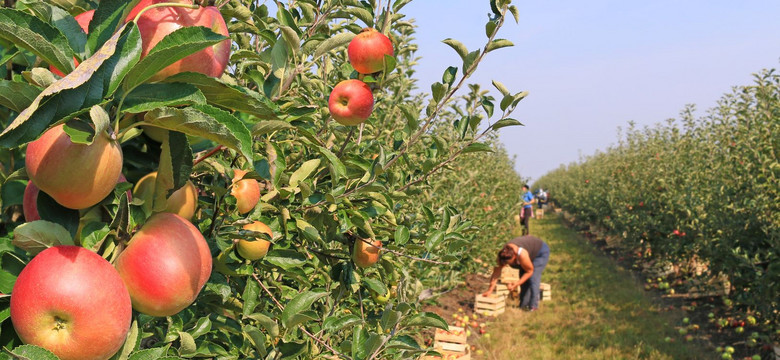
(598, 311)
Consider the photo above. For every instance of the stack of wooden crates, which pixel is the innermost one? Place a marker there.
(450, 344)
(511, 275)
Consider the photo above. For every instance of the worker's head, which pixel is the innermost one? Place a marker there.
(506, 255)
(525, 187)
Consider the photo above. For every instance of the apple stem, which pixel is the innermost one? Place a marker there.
(135, 20)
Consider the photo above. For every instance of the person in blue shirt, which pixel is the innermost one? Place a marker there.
(525, 213)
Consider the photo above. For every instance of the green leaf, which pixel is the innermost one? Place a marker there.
(449, 75)
(515, 13)
(285, 258)
(434, 239)
(28, 32)
(301, 302)
(504, 123)
(205, 121)
(174, 169)
(149, 354)
(477, 147)
(375, 285)
(469, 60)
(172, 48)
(188, 345)
(490, 28)
(488, 106)
(303, 172)
(32, 352)
(63, 21)
(100, 120)
(250, 296)
(437, 90)
(40, 235)
(403, 342)
(307, 230)
(338, 170)
(147, 97)
(497, 44)
(401, 235)
(108, 18)
(95, 79)
(291, 38)
(361, 13)
(458, 47)
(50, 210)
(17, 95)
(269, 126)
(93, 234)
(12, 192)
(229, 97)
(426, 319)
(501, 88)
(301, 318)
(132, 340)
(390, 318)
(333, 42)
(7, 281)
(267, 323)
(334, 324)
(201, 328)
(257, 338)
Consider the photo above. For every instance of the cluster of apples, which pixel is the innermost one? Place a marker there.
(469, 322)
(351, 102)
(69, 299)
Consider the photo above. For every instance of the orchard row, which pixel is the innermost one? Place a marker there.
(697, 196)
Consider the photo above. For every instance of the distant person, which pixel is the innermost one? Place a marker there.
(527, 209)
(541, 197)
(528, 254)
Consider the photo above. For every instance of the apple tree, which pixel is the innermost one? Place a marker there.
(258, 130)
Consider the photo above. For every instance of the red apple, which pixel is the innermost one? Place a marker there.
(156, 23)
(30, 202)
(77, 176)
(165, 265)
(351, 102)
(182, 202)
(72, 302)
(254, 249)
(367, 51)
(246, 191)
(83, 19)
(365, 255)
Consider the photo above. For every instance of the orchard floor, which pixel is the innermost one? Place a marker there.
(599, 310)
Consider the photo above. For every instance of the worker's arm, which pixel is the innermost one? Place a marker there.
(493, 280)
(528, 270)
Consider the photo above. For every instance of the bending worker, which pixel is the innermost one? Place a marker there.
(529, 254)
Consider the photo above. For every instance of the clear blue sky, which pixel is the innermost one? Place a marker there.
(593, 66)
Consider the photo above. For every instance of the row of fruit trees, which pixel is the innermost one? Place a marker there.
(696, 194)
(234, 180)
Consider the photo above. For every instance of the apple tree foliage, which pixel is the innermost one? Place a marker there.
(699, 192)
(325, 186)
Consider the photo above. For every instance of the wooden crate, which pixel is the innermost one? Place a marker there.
(455, 335)
(558, 210)
(546, 291)
(539, 213)
(489, 305)
(501, 290)
(509, 275)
